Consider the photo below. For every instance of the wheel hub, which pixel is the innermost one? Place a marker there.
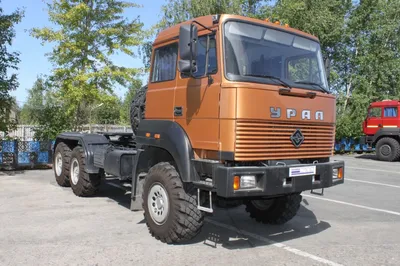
(58, 164)
(75, 171)
(386, 150)
(158, 204)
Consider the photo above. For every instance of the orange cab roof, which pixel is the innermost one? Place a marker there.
(173, 31)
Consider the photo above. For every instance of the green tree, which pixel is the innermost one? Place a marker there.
(371, 63)
(87, 34)
(52, 120)
(45, 111)
(108, 112)
(8, 60)
(35, 103)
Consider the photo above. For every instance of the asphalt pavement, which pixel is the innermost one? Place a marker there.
(357, 223)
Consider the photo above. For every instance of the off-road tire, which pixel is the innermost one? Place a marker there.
(394, 153)
(88, 184)
(184, 221)
(62, 179)
(138, 108)
(282, 210)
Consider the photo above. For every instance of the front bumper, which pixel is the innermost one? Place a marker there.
(275, 180)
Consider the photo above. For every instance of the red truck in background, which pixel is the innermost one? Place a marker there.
(382, 129)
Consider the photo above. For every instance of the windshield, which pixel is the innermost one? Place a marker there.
(256, 53)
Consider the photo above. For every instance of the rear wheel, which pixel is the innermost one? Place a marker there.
(83, 184)
(170, 211)
(274, 211)
(62, 155)
(388, 149)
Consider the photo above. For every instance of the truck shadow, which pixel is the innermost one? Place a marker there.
(372, 157)
(367, 156)
(233, 228)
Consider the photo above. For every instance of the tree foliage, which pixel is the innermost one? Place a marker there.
(8, 61)
(35, 103)
(45, 111)
(87, 34)
(108, 112)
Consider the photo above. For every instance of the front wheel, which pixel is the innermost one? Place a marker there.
(274, 211)
(170, 212)
(388, 149)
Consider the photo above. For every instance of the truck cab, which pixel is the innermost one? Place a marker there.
(382, 128)
(237, 111)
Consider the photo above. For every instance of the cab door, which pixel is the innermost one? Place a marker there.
(374, 120)
(162, 83)
(390, 117)
(196, 106)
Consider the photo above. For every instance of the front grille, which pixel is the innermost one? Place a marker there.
(270, 140)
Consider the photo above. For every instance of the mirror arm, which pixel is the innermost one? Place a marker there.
(191, 50)
(205, 27)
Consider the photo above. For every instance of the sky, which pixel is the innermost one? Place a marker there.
(33, 55)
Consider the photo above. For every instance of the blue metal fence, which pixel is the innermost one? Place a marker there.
(351, 145)
(17, 154)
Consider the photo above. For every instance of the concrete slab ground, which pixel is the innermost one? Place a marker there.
(357, 223)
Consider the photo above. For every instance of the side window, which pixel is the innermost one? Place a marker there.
(201, 58)
(164, 65)
(375, 112)
(390, 112)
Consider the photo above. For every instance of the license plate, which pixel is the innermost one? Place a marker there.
(301, 171)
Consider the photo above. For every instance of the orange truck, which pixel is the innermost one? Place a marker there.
(382, 129)
(236, 112)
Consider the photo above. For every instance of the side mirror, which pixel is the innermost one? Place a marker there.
(187, 48)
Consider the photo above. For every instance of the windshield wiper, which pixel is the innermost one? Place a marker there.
(270, 77)
(313, 83)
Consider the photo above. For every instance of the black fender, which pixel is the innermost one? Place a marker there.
(89, 143)
(173, 139)
(385, 132)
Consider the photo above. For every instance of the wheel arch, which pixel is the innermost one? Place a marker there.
(89, 143)
(172, 143)
(386, 133)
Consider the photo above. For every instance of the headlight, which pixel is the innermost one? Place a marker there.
(244, 181)
(337, 173)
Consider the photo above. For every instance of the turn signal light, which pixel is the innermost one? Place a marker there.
(277, 22)
(236, 183)
(340, 173)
